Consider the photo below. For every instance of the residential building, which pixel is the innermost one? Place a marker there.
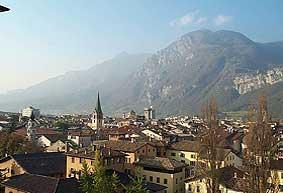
(133, 151)
(33, 183)
(112, 159)
(164, 171)
(46, 164)
(81, 137)
(231, 179)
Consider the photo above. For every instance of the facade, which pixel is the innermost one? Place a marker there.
(112, 159)
(97, 121)
(163, 171)
(27, 112)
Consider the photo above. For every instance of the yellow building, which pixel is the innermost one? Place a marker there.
(112, 160)
(277, 174)
(163, 171)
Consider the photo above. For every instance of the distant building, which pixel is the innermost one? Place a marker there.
(97, 121)
(149, 113)
(27, 112)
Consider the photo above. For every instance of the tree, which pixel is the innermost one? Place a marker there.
(11, 144)
(96, 180)
(208, 161)
(260, 152)
(137, 185)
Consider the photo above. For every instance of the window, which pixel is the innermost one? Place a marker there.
(157, 180)
(73, 160)
(183, 161)
(148, 150)
(143, 150)
(198, 189)
(138, 151)
(182, 155)
(144, 177)
(192, 163)
(173, 154)
(150, 178)
(165, 181)
(176, 180)
(281, 175)
(190, 188)
(192, 156)
(81, 160)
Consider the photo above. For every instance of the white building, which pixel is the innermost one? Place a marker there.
(26, 112)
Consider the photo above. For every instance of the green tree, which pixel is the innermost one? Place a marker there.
(96, 180)
(136, 186)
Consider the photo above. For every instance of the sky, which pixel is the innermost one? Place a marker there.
(40, 39)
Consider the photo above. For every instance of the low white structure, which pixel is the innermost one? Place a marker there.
(27, 112)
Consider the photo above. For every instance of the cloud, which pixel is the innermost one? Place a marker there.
(222, 19)
(188, 19)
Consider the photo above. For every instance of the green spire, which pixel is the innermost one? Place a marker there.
(98, 106)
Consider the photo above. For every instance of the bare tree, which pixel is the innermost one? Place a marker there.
(259, 151)
(208, 159)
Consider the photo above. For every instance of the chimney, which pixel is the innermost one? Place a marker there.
(109, 152)
(85, 151)
(67, 146)
(235, 174)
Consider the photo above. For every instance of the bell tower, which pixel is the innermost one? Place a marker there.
(97, 121)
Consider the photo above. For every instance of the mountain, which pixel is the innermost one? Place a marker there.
(75, 91)
(201, 64)
(175, 80)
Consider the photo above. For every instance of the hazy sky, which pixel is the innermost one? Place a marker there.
(44, 38)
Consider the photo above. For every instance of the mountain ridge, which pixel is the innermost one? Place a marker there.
(176, 79)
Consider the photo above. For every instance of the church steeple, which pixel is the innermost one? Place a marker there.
(97, 116)
(98, 106)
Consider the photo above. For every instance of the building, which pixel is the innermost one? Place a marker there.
(82, 137)
(97, 121)
(33, 183)
(149, 113)
(184, 151)
(277, 173)
(133, 151)
(27, 112)
(112, 160)
(46, 164)
(163, 171)
(231, 180)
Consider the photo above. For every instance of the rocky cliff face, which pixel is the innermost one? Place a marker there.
(246, 82)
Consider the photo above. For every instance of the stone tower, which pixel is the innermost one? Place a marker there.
(97, 121)
(30, 129)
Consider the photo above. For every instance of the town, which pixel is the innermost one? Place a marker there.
(177, 154)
